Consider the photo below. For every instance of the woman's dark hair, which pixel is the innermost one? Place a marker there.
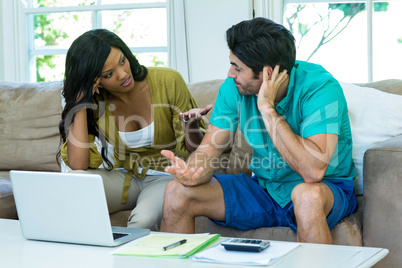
(261, 42)
(84, 64)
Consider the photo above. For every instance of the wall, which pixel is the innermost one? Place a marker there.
(208, 54)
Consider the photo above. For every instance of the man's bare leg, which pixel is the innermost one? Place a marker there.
(182, 204)
(312, 204)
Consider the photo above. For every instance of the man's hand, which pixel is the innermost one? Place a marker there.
(181, 171)
(194, 114)
(269, 88)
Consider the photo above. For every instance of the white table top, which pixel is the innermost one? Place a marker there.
(16, 251)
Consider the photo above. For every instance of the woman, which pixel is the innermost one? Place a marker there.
(136, 112)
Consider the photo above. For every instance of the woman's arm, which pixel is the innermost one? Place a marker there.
(78, 142)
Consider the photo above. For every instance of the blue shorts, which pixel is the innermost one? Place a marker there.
(249, 206)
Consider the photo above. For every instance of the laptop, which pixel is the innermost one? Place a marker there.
(68, 208)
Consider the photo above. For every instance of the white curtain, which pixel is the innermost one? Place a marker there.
(13, 56)
(177, 38)
(271, 9)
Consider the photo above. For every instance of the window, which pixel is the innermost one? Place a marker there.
(353, 40)
(356, 40)
(52, 26)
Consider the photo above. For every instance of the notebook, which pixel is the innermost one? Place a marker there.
(68, 208)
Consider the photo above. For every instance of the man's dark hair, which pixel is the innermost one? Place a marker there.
(261, 42)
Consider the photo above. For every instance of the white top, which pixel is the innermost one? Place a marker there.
(139, 138)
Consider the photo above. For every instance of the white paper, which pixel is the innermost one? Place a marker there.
(219, 254)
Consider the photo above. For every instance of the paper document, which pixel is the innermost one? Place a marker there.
(153, 245)
(218, 254)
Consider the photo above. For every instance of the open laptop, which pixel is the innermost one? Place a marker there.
(66, 207)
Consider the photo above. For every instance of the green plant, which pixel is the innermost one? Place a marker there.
(157, 62)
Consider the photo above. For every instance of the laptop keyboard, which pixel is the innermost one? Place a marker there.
(118, 235)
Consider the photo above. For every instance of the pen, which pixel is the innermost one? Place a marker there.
(175, 244)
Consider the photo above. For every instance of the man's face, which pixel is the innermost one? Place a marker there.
(243, 77)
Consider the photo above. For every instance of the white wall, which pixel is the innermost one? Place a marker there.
(208, 54)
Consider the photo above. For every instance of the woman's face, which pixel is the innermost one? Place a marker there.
(116, 76)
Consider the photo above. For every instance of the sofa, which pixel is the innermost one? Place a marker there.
(30, 113)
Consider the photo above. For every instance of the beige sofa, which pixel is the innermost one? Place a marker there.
(29, 140)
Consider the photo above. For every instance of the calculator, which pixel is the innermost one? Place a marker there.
(240, 244)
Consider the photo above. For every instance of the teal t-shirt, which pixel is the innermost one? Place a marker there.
(314, 104)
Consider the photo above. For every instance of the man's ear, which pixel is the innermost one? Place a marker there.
(270, 70)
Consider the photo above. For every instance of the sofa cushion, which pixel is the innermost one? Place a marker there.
(29, 118)
(375, 116)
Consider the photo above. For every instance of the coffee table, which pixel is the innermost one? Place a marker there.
(16, 251)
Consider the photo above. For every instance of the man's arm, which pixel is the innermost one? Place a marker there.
(199, 167)
(309, 157)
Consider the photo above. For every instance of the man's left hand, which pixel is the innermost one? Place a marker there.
(269, 87)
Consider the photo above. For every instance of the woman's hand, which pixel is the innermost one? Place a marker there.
(194, 114)
(95, 89)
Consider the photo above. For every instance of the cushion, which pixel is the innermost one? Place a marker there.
(375, 116)
(29, 118)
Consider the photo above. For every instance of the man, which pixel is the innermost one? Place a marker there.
(294, 116)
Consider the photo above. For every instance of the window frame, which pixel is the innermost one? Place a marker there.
(28, 12)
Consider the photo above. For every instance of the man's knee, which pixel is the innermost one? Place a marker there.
(176, 196)
(307, 194)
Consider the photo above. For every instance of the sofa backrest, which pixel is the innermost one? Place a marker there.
(29, 118)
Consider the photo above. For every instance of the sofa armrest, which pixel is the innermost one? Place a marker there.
(382, 172)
